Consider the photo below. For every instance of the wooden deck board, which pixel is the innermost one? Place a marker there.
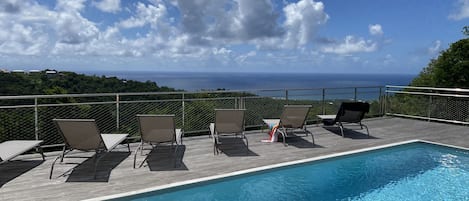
(28, 179)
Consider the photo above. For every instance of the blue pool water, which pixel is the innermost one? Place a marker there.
(416, 171)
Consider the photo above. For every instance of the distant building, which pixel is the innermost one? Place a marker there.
(34, 71)
(51, 73)
(4, 71)
(18, 71)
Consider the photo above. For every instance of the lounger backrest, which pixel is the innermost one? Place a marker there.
(81, 134)
(294, 116)
(229, 120)
(352, 112)
(157, 128)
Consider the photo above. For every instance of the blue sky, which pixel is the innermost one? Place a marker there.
(360, 36)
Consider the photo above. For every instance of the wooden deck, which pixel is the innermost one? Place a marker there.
(27, 179)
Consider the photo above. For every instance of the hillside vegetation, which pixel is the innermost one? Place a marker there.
(41, 83)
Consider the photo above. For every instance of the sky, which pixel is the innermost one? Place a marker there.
(311, 36)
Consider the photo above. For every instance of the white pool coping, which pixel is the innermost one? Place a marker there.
(267, 167)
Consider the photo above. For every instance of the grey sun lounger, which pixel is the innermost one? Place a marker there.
(13, 148)
(293, 118)
(349, 112)
(228, 123)
(155, 130)
(84, 135)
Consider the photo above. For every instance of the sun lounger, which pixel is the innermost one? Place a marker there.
(155, 130)
(349, 112)
(228, 123)
(84, 135)
(293, 118)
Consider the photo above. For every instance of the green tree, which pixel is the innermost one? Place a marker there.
(450, 69)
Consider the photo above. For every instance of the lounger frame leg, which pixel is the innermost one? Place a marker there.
(148, 155)
(243, 136)
(366, 127)
(341, 129)
(61, 156)
(39, 149)
(216, 150)
(136, 152)
(283, 132)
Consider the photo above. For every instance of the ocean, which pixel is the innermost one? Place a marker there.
(196, 81)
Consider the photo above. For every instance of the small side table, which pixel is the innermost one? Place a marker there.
(325, 117)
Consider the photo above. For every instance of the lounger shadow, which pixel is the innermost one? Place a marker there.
(10, 171)
(84, 172)
(161, 158)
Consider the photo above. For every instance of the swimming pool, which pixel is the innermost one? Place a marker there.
(412, 171)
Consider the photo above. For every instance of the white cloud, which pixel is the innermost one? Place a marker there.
(435, 48)
(70, 5)
(204, 29)
(21, 30)
(351, 45)
(110, 6)
(375, 29)
(145, 14)
(221, 51)
(388, 59)
(242, 58)
(462, 12)
(20, 39)
(212, 22)
(302, 21)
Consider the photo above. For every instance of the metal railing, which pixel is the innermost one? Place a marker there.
(449, 105)
(30, 117)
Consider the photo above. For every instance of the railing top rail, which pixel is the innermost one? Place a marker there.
(172, 93)
(428, 88)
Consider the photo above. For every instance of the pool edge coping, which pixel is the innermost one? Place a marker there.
(266, 167)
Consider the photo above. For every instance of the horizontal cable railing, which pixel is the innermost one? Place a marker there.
(428, 103)
(30, 117)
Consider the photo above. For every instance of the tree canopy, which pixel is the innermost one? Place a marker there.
(450, 69)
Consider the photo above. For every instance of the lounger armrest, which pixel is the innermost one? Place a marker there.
(13, 148)
(179, 135)
(212, 129)
(112, 140)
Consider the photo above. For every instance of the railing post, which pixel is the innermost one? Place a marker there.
(380, 101)
(236, 104)
(36, 120)
(429, 109)
(286, 96)
(385, 104)
(117, 113)
(323, 101)
(355, 94)
(241, 103)
(183, 111)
